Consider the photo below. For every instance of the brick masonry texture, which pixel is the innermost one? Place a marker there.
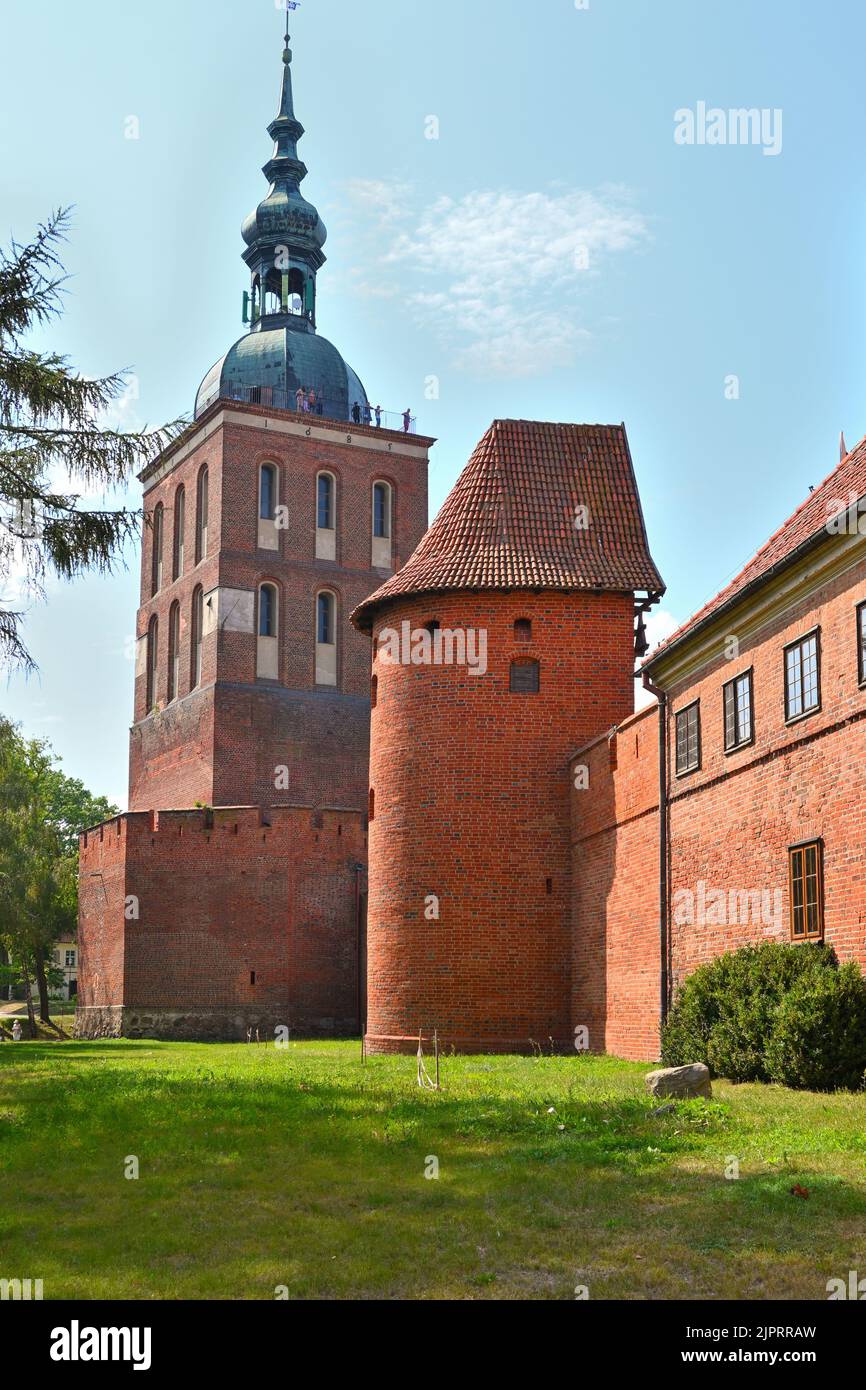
(470, 789)
(203, 926)
(277, 893)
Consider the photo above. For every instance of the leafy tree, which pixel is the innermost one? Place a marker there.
(52, 442)
(40, 812)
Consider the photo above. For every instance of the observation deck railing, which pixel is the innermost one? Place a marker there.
(274, 398)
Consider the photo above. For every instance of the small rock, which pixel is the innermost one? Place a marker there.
(681, 1082)
(665, 1109)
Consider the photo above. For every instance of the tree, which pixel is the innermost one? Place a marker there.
(51, 441)
(41, 811)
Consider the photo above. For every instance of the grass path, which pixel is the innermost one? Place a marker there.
(304, 1168)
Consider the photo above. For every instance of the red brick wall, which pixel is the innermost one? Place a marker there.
(733, 821)
(615, 901)
(217, 901)
(471, 804)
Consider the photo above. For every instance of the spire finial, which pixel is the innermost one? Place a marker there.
(843, 447)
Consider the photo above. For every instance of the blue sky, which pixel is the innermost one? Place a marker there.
(554, 254)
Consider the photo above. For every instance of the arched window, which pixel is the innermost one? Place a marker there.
(326, 517)
(202, 515)
(268, 647)
(152, 663)
(267, 611)
(382, 511)
(179, 524)
(267, 492)
(326, 620)
(158, 534)
(523, 630)
(326, 639)
(525, 677)
(374, 692)
(173, 651)
(196, 637)
(325, 504)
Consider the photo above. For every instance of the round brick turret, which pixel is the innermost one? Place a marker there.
(469, 917)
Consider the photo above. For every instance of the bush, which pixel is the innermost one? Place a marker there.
(818, 1042)
(773, 1012)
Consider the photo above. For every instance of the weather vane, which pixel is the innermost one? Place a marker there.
(288, 6)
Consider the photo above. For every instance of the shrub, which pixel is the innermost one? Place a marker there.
(818, 1042)
(772, 1012)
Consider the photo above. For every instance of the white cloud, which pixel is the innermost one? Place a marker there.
(497, 274)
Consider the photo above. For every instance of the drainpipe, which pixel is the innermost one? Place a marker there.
(358, 870)
(663, 844)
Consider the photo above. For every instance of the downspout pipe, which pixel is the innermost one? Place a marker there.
(664, 983)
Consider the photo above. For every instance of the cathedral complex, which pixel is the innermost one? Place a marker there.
(389, 780)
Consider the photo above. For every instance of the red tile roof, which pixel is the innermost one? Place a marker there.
(806, 525)
(510, 520)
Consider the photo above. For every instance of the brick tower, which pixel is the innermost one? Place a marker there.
(531, 573)
(270, 520)
(287, 501)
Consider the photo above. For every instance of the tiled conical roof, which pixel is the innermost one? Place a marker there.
(515, 519)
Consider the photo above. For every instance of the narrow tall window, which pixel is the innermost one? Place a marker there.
(861, 644)
(382, 511)
(173, 651)
(179, 524)
(202, 515)
(158, 534)
(267, 611)
(326, 620)
(152, 663)
(525, 678)
(738, 704)
(196, 637)
(688, 724)
(806, 886)
(374, 692)
(802, 677)
(523, 630)
(267, 492)
(325, 520)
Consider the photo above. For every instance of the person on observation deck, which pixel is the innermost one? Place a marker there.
(407, 419)
(378, 417)
(356, 413)
(299, 399)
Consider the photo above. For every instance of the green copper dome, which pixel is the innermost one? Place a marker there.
(267, 368)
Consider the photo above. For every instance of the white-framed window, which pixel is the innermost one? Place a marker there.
(158, 538)
(268, 627)
(202, 514)
(326, 638)
(173, 651)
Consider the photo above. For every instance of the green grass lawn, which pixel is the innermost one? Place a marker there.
(305, 1168)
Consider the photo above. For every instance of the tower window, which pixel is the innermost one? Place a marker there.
(267, 611)
(372, 806)
(374, 692)
(523, 630)
(382, 511)
(267, 492)
(325, 521)
(179, 524)
(861, 644)
(525, 678)
(158, 533)
(152, 663)
(197, 634)
(325, 620)
(802, 677)
(202, 515)
(173, 651)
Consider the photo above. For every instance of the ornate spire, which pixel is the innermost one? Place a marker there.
(285, 234)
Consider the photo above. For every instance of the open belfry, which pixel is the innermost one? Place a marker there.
(316, 669)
